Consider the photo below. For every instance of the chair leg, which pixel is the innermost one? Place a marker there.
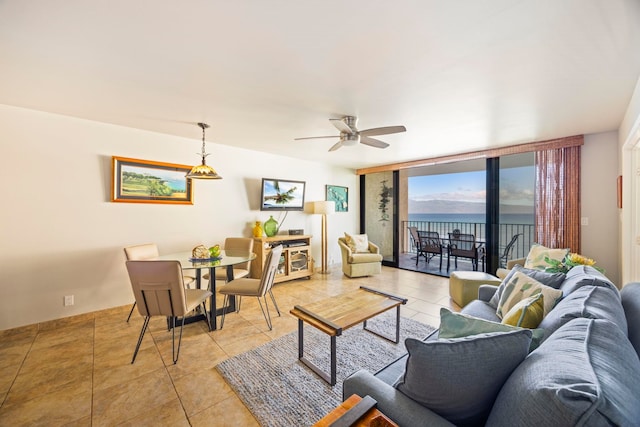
(238, 302)
(275, 304)
(142, 331)
(266, 315)
(175, 354)
(131, 312)
(224, 312)
(207, 315)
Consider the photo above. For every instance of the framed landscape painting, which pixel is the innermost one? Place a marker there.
(146, 181)
(339, 195)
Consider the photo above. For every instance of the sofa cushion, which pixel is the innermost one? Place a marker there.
(630, 296)
(553, 280)
(357, 242)
(584, 275)
(586, 374)
(593, 302)
(460, 378)
(458, 325)
(536, 259)
(527, 313)
(521, 286)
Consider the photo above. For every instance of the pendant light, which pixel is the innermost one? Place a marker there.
(203, 171)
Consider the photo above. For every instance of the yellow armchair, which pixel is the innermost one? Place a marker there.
(359, 264)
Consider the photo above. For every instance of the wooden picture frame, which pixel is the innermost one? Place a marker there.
(147, 181)
(339, 195)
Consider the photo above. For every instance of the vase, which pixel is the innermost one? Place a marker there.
(257, 230)
(270, 227)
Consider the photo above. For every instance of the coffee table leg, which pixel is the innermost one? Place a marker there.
(331, 379)
(397, 339)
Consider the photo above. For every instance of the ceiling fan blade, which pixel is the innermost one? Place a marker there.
(372, 142)
(336, 146)
(383, 130)
(341, 126)
(316, 137)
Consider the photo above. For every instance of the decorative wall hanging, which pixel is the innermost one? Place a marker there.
(146, 181)
(339, 195)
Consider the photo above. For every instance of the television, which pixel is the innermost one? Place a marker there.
(282, 195)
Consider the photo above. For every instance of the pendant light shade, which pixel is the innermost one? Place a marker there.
(203, 171)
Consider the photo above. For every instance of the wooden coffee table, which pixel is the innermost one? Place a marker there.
(336, 314)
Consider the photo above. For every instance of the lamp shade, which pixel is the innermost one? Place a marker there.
(323, 207)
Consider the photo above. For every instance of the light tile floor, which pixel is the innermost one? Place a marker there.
(78, 371)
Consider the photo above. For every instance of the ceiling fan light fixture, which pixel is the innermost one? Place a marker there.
(350, 139)
(203, 171)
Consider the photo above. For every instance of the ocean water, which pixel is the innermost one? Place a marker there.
(471, 218)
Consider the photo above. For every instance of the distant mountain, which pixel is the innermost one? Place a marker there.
(452, 206)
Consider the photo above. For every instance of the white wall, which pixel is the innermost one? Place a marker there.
(61, 235)
(599, 171)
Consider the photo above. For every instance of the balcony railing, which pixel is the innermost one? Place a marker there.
(506, 232)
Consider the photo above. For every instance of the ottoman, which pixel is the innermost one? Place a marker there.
(463, 285)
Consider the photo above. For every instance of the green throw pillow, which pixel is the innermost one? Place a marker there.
(458, 325)
(521, 286)
(528, 313)
(537, 254)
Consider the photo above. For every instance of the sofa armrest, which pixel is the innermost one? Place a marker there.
(373, 248)
(486, 292)
(391, 402)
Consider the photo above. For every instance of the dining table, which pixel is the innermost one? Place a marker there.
(226, 259)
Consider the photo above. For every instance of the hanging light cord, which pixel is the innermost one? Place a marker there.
(203, 126)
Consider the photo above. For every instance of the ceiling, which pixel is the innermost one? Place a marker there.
(460, 75)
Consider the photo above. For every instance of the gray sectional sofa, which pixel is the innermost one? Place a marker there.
(585, 371)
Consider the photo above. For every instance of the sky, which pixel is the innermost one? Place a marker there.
(516, 186)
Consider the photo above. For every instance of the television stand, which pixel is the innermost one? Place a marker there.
(295, 261)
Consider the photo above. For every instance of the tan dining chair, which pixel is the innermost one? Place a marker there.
(159, 290)
(144, 252)
(258, 288)
(235, 246)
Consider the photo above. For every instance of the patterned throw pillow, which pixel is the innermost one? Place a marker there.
(537, 253)
(357, 242)
(521, 286)
(528, 313)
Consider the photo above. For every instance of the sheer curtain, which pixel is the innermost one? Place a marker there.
(557, 198)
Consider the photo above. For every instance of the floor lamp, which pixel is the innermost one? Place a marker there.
(324, 208)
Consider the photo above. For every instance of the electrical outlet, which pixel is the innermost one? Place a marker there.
(68, 300)
(584, 220)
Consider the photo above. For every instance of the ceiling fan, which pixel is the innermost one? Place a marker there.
(350, 135)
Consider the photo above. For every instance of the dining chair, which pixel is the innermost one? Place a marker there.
(464, 246)
(235, 246)
(259, 288)
(145, 252)
(159, 290)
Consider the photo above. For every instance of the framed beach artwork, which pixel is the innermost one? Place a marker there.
(147, 181)
(339, 195)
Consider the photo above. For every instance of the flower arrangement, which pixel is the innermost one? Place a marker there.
(569, 261)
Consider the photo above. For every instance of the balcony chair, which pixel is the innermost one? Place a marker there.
(428, 244)
(258, 288)
(464, 246)
(159, 290)
(144, 252)
(506, 253)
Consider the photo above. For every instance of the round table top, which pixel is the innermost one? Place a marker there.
(225, 259)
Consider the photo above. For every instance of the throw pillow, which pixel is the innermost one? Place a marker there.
(458, 325)
(553, 280)
(521, 286)
(459, 379)
(528, 313)
(537, 253)
(357, 242)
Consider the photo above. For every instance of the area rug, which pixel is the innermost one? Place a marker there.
(281, 391)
